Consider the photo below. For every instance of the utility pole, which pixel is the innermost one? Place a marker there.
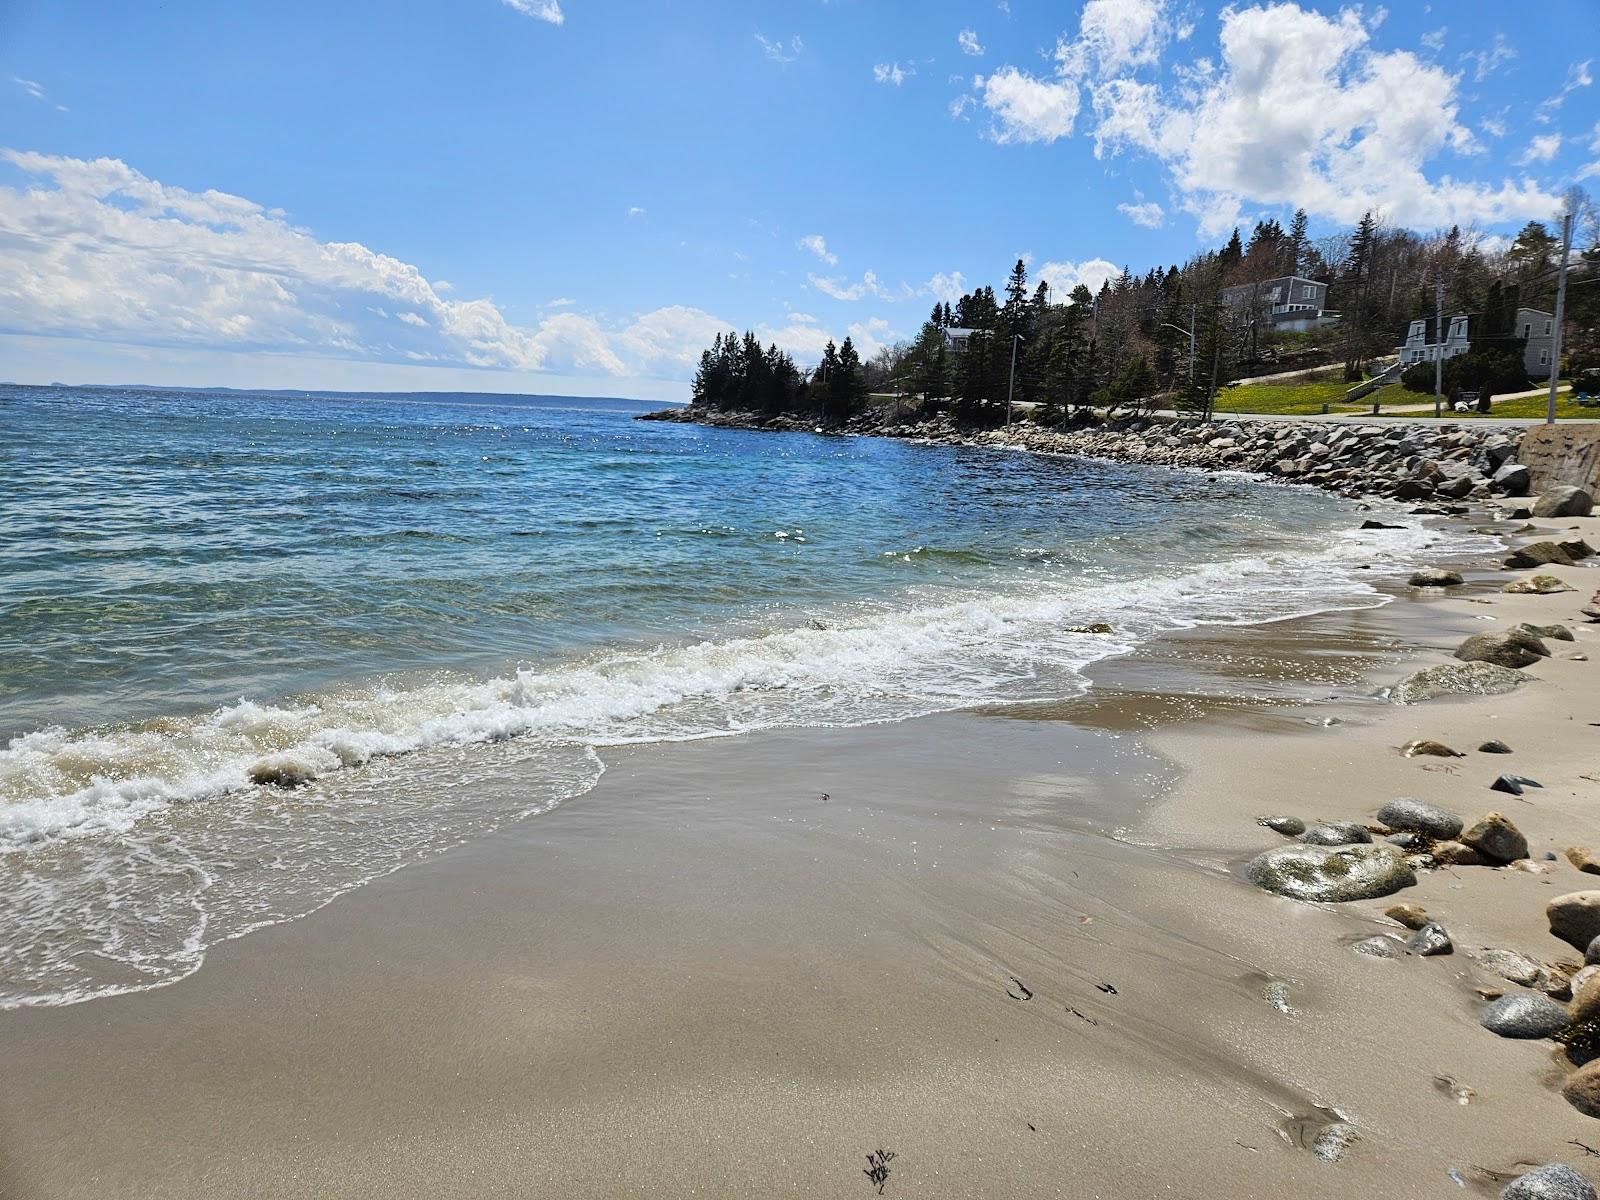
(1561, 312)
(1438, 358)
(1192, 381)
(1011, 387)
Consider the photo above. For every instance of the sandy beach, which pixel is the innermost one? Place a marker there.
(1013, 948)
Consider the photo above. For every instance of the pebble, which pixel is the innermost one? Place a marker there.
(1456, 854)
(1494, 746)
(1513, 784)
(1428, 748)
(1412, 916)
(1524, 1015)
(1288, 826)
(1382, 946)
(1508, 964)
(1583, 858)
(1430, 940)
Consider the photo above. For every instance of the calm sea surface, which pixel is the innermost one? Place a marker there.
(258, 649)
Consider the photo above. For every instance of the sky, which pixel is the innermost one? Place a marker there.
(574, 196)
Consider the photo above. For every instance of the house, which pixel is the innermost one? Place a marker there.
(1534, 327)
(1290, 303)
(956, 338)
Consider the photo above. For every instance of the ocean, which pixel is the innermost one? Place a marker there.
(257, 649)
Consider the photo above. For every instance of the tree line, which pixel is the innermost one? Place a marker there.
(1168, 332)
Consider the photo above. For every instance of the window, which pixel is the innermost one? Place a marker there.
(1547, 325)
(1527, 330)
(1544, 358)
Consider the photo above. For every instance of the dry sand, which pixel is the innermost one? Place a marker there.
(704, 978)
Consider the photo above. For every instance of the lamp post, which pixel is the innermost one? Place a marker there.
(1188, 333)
(1560, 316)
(1011, 386)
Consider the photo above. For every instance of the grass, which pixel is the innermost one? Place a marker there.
(1304, 397)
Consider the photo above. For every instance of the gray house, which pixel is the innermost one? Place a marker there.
(1289, 302)
(1533, 325)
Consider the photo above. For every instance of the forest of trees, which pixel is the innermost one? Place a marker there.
(1129, 343)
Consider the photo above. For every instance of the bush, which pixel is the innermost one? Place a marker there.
(1493, 371)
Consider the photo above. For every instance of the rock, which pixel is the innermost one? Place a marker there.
(1512, 479)
(1410, 841)
(1497, 839)
(1554, 1181)
(1435, 577)
(1382, 946)
(1576, 548)
(1582, 1091)
(1556, 633)
(1412, 916)
(1582, 976)
(1585, 999)
(1097, 627)
(1538, 585)
(1458, 488)
(1332, 1142)
(1369, 523)
(1509, 649)
(1429, 819)
(1513, 785)
(1564, 501)
(1288, 826)
(1456, 679)
(1583, 858)
(1508, 964)
(1431, 939)
(1494, 746)
(1456, 854)
(1524, 1015)
(1429, 749)
(1575, 918)
(1591, 611)
(1412, 489)
(1335, 833)
(1538, 554)
(1331, 873)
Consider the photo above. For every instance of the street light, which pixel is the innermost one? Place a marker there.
(1011, 387)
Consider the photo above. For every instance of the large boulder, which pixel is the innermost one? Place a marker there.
(1513, 648)
(1332, 873)
(1512, 479)
(1498, 840)
(1435, 577)
(1575, 918)
(1564, 501)
(1538, 554)
(1429, 819)
(1456, 679)
(1553, 1181)
(1538, 585)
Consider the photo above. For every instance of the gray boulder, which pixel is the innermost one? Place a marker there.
(1424, 818)
(1556, 633)
(1564, 501)
(1512, 479)
(1497, 839)
(1435, 577)
(1508, 964)
(1431, 939)
(1288, 826)
(1512, 649)
(1554, 1181)
(1332, 873)
(1456, 679)
(1335, 833)
(1538, 554)
(1524, 1015)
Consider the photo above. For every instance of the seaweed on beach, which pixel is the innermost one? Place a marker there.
(877, 1171)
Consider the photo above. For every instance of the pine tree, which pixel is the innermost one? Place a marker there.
(1298, 244)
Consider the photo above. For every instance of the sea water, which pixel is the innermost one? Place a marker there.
(257, 649)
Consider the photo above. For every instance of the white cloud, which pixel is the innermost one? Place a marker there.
(1491, 60)
(1578, 76)
(1064, 276)
(1302, 111)
(959, 106)
(892, 73)
(1116, 35)
(96, 250)
(818, 245)
(561, 302)
(1541, 149)
(869, 285)
(780, 53)
(540, 10)
(946, 288)
(968, 41)
(871, 335)
(30, 87)
(1594, 141)
(1149, 214)
(636, 211)
(1495, 127)
(1027, 109)
(1434, 39)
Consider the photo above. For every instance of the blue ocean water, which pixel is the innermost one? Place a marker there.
(256, 649)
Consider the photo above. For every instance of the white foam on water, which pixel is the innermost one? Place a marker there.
(165, 837)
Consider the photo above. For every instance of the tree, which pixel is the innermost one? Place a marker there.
(845, 388)
(1131, 388)
(1297, 246)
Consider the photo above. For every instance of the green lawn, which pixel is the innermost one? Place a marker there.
(1305, 397)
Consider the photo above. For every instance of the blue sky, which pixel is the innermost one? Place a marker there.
(572, 195)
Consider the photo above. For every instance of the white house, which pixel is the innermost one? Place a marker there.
(1289, 302)
(1533, 325)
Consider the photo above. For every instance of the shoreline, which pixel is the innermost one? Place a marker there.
(702, 975)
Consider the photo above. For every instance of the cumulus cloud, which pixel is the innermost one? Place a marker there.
(539, 10)
(1149, 214)
(1027, 109)
(1064, 276)
(636, 211)
(1541, 149)
(968, 41)
(818, 245)
(892, 73)
(868, 285)
(1116, 35)
(94, 248)
(1301, 110)
(947, 288)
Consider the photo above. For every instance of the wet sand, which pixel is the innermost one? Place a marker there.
(1012, 948)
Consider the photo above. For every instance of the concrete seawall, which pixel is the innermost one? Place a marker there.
(1562, 454)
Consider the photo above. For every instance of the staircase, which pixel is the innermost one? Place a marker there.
(1384, 377)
